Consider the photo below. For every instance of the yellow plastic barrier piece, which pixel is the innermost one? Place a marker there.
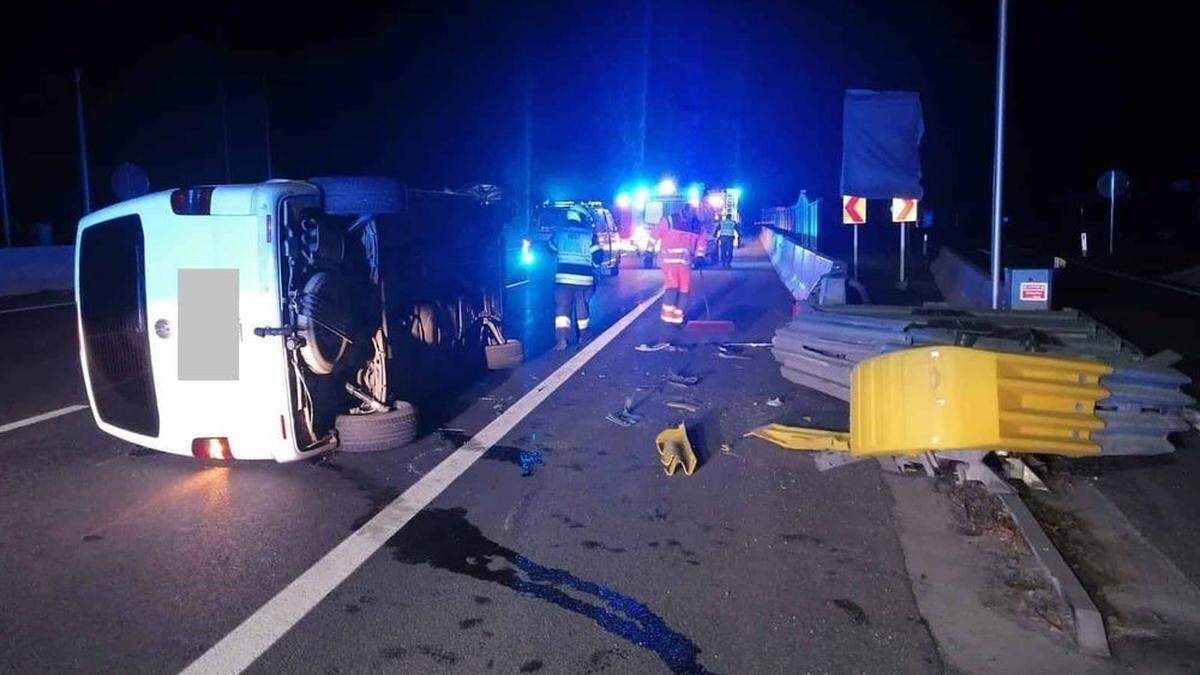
(675, 451)
(955, 398)
(801, 438)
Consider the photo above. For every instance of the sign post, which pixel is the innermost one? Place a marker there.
(1112, 184)
(854, 213)
(998, 151)
(904, 211)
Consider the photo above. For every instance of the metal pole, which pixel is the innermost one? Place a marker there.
(83, 156)
(1112, 210)
(4, 195)
(903, 245)
(855, 252)
(998, 156)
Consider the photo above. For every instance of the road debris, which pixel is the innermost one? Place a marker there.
(675, 451)
(747, 345)
(686, 404)
(682, 380)
(726, 449)
(801, 438)
(730, 352)
(646, 347)
(775, 402)
(625, 416)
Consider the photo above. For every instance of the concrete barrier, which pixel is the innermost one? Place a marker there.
(804, 271)
(962, 284)
(29, 269)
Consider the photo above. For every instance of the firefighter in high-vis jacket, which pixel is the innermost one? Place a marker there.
(577, 249)
(681, 241)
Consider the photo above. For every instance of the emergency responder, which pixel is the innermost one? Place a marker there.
(681, 242)
(575, 244)
(727, 231)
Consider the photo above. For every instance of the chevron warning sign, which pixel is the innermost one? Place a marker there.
(854, 210)
(904, 210)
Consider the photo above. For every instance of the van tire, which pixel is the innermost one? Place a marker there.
(504, 357)
(377, 431)
(360, 195)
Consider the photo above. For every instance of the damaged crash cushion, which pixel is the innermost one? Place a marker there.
(954, 398)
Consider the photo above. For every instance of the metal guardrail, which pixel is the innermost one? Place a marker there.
(1144, 401)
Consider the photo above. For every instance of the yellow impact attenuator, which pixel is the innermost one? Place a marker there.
(800, 438)
(954, 398)
(675, 451)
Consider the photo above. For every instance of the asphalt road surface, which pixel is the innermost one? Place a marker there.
(564, 549)
(1158, 494)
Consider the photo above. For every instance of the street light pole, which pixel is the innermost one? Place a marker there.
(83, 156)
(998, 157)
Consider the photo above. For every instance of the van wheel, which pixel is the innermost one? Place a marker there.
(505, 356)
(360, 195)
(377, 431)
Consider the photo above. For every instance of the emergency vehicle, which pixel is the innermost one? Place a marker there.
(549, 214)
(639, 210)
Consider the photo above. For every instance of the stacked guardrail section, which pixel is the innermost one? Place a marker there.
(1144, 402)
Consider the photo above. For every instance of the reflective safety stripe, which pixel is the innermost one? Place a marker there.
(574, 279)
(562, 322)
(582, 323)
(668, 308)
(674, 261)
(672, 318)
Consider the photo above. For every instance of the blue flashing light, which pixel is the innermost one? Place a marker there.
(527, 258)
(736, 192)
(693, 194)
(667, 187)
(640, 196)
(624, 201)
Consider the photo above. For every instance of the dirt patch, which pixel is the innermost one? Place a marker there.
(977, 512)
(1079, 547)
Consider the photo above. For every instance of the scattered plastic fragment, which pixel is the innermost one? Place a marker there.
(686, 404)
(775, 402)
(731, 352)
(659, 347)
(682, 380)
(624, 417)
(675, 451)
(801, 438)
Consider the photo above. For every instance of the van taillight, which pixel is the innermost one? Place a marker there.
(216, 447)
(193, 201)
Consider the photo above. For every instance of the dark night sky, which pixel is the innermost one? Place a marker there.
(437, 93)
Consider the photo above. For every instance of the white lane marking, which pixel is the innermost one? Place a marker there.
(13, 426)
(14, 310)
(237, 650)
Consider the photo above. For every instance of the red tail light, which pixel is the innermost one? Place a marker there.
(193, 201)
(216, 447)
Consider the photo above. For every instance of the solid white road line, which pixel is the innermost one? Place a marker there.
(12, 426)
(237, 650)
(14, 310)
